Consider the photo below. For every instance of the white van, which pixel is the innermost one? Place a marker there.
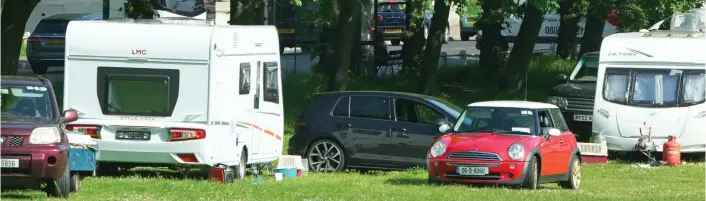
(549, 32)
(155, 94)
(653, 79)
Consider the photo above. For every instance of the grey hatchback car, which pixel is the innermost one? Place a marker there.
(45, 46)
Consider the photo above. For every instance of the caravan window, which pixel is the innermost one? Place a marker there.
(648, 87)
(654, 88)
(244, 78)
(270, 82)
(694, 87)
(137, 91)
(616, 86)
(145, 95)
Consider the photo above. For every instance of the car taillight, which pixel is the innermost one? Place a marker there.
(181, 134)
(92, 130)
(34, 40)
(379, 18)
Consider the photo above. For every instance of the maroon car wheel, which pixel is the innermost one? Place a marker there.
(61, 187)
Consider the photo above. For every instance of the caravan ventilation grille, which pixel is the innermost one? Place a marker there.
(235, 40)
(593, 149)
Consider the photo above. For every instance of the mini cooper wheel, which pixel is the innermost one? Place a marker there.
(531, 175)
(326, 156)
(574, 181)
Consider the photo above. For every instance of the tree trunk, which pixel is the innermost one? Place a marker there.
(570, 12)
(345, 27)
(356, 52)
(518, 64)
(595, 22)
(14, 18)
(247, 12)
(490, 23)
(413, 42)
(433, 47)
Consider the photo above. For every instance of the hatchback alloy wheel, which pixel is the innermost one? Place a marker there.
(326, 156)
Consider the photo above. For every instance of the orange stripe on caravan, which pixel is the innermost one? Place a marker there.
(268, 132)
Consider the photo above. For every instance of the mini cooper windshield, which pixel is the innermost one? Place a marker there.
(496, 120)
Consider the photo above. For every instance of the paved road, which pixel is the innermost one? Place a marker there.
(301, 63)
(291, 61)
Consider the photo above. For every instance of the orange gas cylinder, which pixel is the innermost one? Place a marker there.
(672, 152)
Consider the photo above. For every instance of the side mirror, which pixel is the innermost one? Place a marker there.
(554, 132)
(444, 128)
(70, 116)
(562, 77)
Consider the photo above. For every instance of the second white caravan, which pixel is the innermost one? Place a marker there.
(155, 94)
(653, 80)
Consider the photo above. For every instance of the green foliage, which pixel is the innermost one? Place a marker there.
(23, 49)
(505, 8)
(138, 9)
(469, 8)
(641, 14)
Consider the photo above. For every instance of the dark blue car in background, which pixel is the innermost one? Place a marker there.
(45, 46)
(391, 21)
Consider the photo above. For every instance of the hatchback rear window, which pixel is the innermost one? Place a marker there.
(52, 26)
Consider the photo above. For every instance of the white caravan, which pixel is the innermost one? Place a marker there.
(155, 99)
(654, 79)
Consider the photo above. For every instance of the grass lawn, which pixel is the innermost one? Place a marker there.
(614, 181)
(23, 50)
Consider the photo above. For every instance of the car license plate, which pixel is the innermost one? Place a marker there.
(470, 21)
(54, 41)
(580, 117)
(10, 163)
(132, 135)
(393, 30)
(472, 170)
(285, 30)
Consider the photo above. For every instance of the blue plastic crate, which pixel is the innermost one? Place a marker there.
(82, 159)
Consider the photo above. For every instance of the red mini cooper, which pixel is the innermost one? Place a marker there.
(506, 142)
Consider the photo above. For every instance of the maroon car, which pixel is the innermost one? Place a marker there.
(34, 148)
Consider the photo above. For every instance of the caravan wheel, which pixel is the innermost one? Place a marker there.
(240, 168)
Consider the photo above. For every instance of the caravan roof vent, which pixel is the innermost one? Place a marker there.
(693, 21)
(182, 20)
(148, 21)
(674, 34)
(122, 19)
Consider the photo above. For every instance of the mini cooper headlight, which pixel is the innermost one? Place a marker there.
(516, 151)
(437, 149)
